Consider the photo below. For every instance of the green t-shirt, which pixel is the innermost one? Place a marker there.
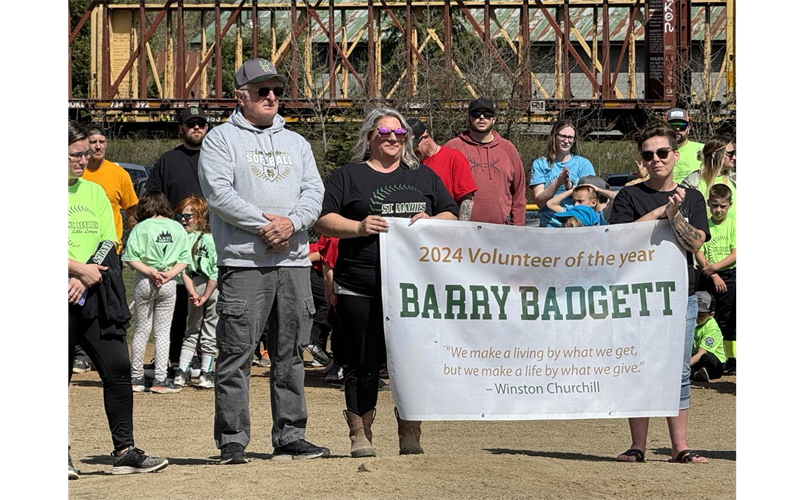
(205, 258)
(721, 179)
(158, 243)
(687, 162)
(708, 337)
(89, 219)
(722, 241)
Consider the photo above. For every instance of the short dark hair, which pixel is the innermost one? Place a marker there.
(75, 132)
(153, 203)
(657, 129)
(721, 191)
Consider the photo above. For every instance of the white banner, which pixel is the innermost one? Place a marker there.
(485, 321)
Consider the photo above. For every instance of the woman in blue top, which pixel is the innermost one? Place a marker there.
(557, 171)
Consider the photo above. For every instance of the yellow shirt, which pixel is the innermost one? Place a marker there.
(116, 183)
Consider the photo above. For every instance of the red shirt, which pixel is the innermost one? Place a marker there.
(316, 247)
(452, 168)
(329, 250)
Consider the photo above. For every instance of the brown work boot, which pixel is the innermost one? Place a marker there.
(409, 432)
(361, 443)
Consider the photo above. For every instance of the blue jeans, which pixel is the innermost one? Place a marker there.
(690, 329)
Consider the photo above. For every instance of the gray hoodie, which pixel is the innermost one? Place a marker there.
(245, 171)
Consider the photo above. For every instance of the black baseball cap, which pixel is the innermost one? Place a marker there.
(419, 129)
(95, 129)
(481, 105)
(191, 112)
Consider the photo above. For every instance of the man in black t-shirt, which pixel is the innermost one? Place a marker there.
(657, 198)
(175, 173)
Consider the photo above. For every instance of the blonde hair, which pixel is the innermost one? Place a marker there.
(198, 206)
(571, 222)
(713, 158)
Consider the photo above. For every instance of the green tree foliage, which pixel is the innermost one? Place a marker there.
(80, 50)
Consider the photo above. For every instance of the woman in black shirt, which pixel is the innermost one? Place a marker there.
(383, 179)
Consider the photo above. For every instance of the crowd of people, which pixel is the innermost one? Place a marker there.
(221, 253)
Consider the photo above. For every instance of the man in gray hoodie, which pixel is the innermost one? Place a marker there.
(264, 191)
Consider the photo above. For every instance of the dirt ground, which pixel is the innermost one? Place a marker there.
(570, 459)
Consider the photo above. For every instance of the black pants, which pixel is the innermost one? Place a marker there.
(178, 324)
(725, 303)
(110, 355)
(361, 320)
(321, 328)
(338, 344)
(709, 360)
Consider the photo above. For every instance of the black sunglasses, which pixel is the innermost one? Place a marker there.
(485, 114)
(195, 123)
(678, 126)
(181, 217)
(731, 154)
(662, 154)
(263, 91)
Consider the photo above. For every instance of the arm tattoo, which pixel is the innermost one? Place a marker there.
(688, 236)
(465, 210)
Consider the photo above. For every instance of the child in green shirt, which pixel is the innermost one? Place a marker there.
(717, 262)
(708, 357)
(157, 249)
(201, 280)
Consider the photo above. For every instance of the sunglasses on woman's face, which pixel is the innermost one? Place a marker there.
(731, 154)
(185, 217)
(264, 91)
(661, 153)
(385, 132)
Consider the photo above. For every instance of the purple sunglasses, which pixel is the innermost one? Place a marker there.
(385, 132)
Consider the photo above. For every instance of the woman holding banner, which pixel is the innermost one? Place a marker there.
(660, 197)
(383, 177)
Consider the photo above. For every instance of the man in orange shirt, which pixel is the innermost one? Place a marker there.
(114, 180)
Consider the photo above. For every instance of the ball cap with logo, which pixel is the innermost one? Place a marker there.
(677, 115)
(191, 112)
(706, 302)
(256, 70)
(593, 180)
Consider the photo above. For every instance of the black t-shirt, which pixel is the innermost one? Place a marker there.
(636, 201)
(355, 191)
(175, 174)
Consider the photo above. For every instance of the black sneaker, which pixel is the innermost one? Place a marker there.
(135, 461)
(72, 472)
(233, 453)
(81, 366)
(701, 375)
(299, 450)
(382, 386)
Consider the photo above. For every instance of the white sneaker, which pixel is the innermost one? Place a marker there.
(206, 380)
(181, 378)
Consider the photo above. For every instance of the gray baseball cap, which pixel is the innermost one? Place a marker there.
(593, 180)
(705, 301)
(256, 70)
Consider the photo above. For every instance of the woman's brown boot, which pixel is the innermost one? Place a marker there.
(360, 433)
(409, 432)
